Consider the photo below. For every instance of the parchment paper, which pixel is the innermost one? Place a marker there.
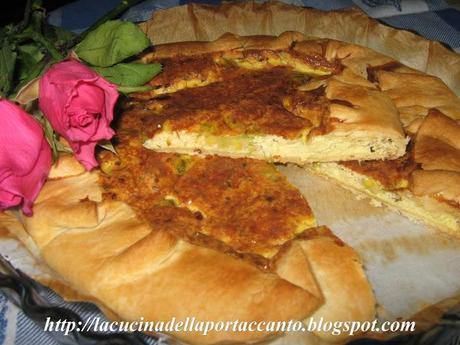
(409, 265)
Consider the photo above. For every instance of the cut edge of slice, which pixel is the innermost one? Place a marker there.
(322, 148)
(420, 209)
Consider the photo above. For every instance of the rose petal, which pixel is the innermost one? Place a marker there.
(84, 152)
(25, 157)
(20, 139)
(8, 199)
(79, 105)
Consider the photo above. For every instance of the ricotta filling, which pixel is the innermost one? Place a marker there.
(322, 148)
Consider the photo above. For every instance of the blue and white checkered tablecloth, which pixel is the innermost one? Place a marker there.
(433, 19)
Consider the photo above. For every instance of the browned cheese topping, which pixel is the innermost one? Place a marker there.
(392, 174)
(198, 94)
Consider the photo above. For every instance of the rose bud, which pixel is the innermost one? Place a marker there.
(79, 104)
(25, 157)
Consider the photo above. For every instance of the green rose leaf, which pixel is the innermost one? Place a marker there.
(129, 74)
(111, 43)
(7, 63)
(32, 73)
(50, 135)
(29, 55)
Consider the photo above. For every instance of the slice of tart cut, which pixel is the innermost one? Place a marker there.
(237, 205)
(280, 99)
(241, 206)
(424, 184)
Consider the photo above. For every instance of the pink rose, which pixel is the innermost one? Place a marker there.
(25, 157)
(79, 105)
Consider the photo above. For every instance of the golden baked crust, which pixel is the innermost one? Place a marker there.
(437, 150)
(441, 184)
(286, 98)
(414, 94)
(437, 144)
(336, 268)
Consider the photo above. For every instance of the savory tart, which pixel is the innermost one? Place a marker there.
(281, 99)
(154, 236)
